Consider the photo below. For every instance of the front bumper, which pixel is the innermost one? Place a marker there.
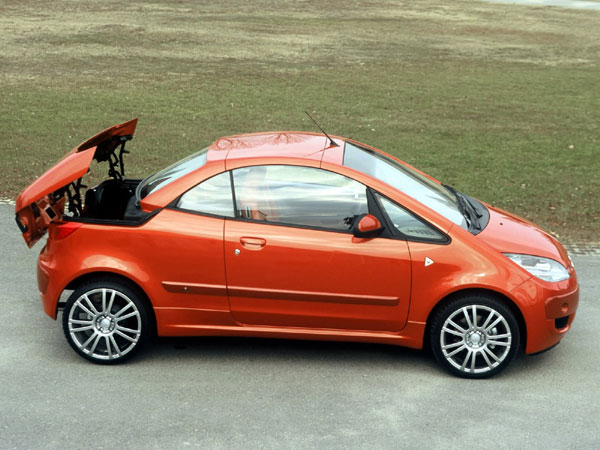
(548, 309)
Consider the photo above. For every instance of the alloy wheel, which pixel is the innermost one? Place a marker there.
(104, 324)
(475, 339)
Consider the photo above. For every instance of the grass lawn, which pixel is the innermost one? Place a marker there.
(501, 101)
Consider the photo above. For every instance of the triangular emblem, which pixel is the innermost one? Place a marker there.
(428, 261)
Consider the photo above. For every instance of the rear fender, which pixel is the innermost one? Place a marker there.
(90, 268)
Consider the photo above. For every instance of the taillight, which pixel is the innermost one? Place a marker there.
(62, 230)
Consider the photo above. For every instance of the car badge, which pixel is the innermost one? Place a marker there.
(428, 261)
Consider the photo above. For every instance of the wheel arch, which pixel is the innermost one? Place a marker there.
(104, 274)
(477, 291)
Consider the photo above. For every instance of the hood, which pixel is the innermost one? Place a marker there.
(42, 202)
(508, 233)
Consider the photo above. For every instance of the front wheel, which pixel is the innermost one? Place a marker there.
(474, 336)
(106, 321)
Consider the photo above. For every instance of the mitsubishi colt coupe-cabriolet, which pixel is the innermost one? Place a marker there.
(290, 235)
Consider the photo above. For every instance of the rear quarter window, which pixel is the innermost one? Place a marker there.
(212, 196)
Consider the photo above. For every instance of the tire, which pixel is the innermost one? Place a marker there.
(106, 321)
(478, 348)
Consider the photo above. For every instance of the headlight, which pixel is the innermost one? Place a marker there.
(544, 268)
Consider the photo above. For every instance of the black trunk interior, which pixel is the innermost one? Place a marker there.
(112, 200)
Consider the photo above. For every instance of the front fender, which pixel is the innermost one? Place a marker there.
(458, 266)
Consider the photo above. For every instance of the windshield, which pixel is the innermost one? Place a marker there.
(165, 176)
(405, 179)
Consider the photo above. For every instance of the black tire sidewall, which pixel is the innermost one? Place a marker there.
(133, 293)
(460, 302)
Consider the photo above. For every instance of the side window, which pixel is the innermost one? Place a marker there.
(407, 224)
(212, 196)
(297, 195)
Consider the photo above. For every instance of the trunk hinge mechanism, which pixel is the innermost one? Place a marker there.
(73, 193)
(116, 163)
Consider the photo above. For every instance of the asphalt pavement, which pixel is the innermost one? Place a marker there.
(253, 393)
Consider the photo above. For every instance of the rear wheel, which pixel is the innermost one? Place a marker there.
(106, 321)
(474, 336)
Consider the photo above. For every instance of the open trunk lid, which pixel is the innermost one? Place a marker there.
(43, 201)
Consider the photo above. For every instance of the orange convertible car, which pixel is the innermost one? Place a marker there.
(291, 235)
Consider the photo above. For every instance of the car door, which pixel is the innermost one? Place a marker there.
(291, 259)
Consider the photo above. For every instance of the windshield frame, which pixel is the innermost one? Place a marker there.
(446, 202)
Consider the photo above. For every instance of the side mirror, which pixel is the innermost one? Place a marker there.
(366, 226)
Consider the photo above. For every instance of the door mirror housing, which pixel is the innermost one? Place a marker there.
(366, 226)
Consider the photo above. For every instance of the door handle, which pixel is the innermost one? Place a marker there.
(253, 243)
